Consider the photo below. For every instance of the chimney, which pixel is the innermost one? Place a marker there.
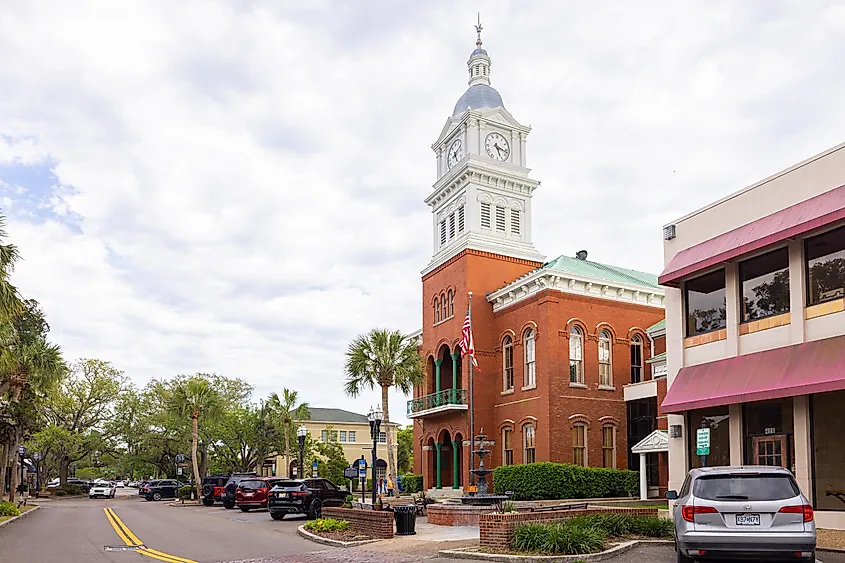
(581, 255)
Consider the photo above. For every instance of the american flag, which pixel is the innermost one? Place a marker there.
(467, 346)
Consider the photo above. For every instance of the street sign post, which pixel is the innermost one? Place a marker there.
(702, 444)
(314, 467)
(362, 475)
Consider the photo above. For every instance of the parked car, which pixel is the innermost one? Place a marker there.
(304, 496)
(53, 483)
(81, 483)
(163, 488)
(230, 498)
(141, 487)
(252, 493)
(119, 484)
(214, 488)
(105, 490)
(742, 512)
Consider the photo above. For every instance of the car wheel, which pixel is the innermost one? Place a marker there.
(316, 509)
(156, 496)
(244, 509)
(207, 501)
(228, 505)
(277, 515)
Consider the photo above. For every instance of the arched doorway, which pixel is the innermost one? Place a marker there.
(293, 470)
(444, 356)
(443, 471)
(431, 372)
(429, 465)
(458, 461)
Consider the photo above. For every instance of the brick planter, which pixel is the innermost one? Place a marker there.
(496, 530)
(456, 515)
(374, 523)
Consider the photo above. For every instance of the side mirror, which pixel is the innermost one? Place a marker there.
(671, 495)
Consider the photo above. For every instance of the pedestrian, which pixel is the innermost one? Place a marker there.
(390, 485)
(380, 486)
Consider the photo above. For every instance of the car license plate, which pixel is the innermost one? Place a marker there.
(747, 519)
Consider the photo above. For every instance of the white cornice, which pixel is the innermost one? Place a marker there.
(484, 116)
(564, 282)
(491, 243)
(503, 179)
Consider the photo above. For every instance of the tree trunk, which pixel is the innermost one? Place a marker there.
(287, 451)
(391, 459)
(64, 464)
(13, 483)
(195, 425)
(4, 462)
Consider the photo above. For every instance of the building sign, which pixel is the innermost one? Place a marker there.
(702, 441)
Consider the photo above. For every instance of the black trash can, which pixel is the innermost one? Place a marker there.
(406, 519)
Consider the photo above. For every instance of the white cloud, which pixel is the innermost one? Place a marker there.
(246, 179)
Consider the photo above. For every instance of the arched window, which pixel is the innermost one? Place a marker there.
(528, 436)
(443, 306)
(579, 444)
(530, 378)
(605, 377)
(451, 295)
(507, 363)
(436, 310)
(608, 446)
(507, 446)
(636, 359)
(576, 355)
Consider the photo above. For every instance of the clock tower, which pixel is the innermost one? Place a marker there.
(482, 197)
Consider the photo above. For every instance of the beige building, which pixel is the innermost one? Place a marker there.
(755, 330)
(352, 432)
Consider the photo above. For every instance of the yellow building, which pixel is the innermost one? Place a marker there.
(352, 432)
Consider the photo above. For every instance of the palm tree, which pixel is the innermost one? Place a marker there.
(288, 412)
(38, 364)
(10, 302)
(384, 358)
(195, 397)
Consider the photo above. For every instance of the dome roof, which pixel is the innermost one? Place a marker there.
(478, 51)
(478, 96)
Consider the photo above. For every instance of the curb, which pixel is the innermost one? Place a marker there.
(326, 541)
(472, 553)
(27, 513)
(830, 549)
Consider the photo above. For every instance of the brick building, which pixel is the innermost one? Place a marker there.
(556, 341)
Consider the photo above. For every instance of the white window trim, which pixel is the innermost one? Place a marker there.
(505, 347)
(529, 378)
(613, 430)
(586, 444)
(580, 372)
(504, 443)
(609, 362)
(525, 442)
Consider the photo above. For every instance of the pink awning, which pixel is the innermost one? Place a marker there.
(796, 220)
(812, 367)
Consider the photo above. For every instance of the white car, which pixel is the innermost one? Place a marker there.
(105, 490)
(120, 484)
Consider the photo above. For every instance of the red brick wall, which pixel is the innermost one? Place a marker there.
(442, 515)
(374, 523)
(551, 404)
(496, 530)
(659, 345)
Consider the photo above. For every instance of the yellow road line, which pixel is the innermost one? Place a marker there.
(129, 538)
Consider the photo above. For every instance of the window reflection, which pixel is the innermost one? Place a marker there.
(764, 285)
(705, 303)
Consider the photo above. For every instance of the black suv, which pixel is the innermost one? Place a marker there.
(307, 496)
(164, 488)
(229, 497)
(213, 488)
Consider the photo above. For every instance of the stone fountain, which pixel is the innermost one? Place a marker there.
(482, 496)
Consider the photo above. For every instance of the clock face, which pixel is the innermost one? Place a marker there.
(456, 153)
(497, 146)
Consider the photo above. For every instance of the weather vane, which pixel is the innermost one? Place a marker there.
(478, 29)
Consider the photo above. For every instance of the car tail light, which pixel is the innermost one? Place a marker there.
(805, 509)
(689, 512)
(299, 494)
(261, 490)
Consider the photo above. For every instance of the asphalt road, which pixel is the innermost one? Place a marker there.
(82, 530)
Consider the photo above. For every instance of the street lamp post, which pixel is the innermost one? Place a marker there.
(36, 457)
(375, 418)
(301, 432)
(22, 486)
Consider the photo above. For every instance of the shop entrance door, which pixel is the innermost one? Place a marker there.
(770, 450)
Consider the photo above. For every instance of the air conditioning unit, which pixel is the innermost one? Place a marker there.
(668, 232)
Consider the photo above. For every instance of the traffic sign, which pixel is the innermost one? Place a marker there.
(702, 441)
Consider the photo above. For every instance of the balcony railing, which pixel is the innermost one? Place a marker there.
(446, 400)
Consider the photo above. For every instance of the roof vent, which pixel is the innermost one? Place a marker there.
(581, 255)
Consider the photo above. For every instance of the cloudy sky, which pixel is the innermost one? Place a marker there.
(238, 186)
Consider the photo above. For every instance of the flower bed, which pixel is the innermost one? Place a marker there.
(334, 529)
(586, 534)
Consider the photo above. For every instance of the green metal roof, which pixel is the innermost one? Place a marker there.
(596, 270)
(336, 415)
(656, 358)
(660, 325)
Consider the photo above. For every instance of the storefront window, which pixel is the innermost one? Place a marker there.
(828, 454)
(717, 420)
(705, 302)
(825, 255)
(764, 285)
(768, 433)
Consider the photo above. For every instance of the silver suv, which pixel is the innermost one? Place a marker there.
(738, 512)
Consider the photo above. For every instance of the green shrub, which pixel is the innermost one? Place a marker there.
(559, 538)
(412, 483)
(327, 525)
(68, 490)
(9, 509)
(60, 493)
(620, 524)
(185, 492)
(550, 481)
(651, 527)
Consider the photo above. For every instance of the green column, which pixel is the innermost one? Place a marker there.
(455, 445)
(437, 460)
(455, 357)
(437, 375)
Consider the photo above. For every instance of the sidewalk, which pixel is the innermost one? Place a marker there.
(428, 540)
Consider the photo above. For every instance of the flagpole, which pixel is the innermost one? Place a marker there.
(471, 405)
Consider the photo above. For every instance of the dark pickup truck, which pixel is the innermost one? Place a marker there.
(304, 496)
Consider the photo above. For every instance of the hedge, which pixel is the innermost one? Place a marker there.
(412, 483)
(551, 481)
